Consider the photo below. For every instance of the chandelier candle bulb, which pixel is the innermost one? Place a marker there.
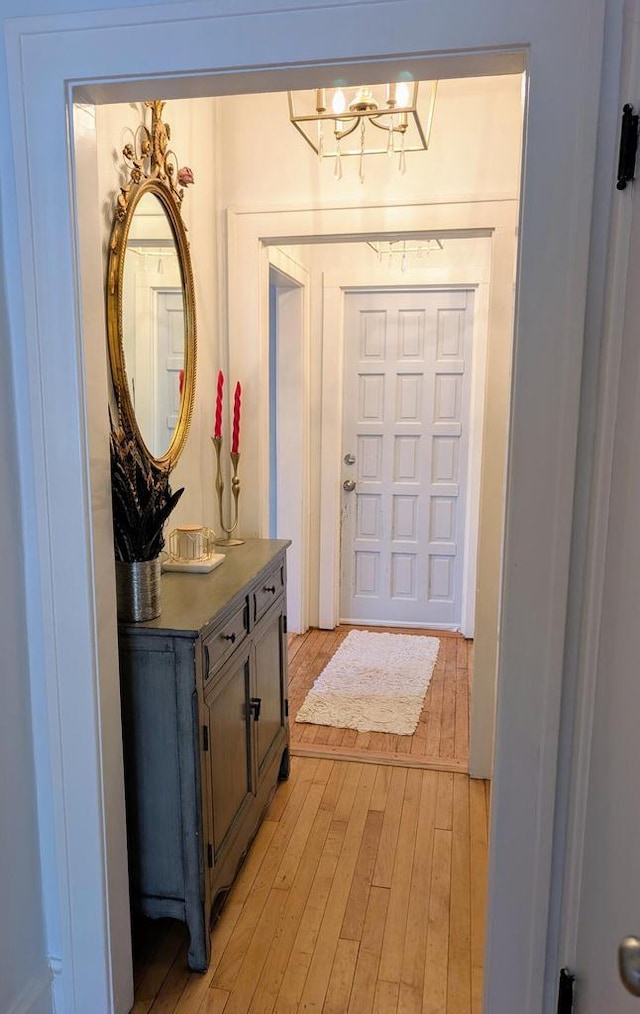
(391, 95)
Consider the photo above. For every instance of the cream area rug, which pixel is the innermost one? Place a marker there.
(373, 683)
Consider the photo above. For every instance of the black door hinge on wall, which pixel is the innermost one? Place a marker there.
(628, 147)
(565, 992)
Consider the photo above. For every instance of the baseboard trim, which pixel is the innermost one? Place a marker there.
(35, 997)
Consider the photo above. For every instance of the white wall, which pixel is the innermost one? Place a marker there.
(474, 153)
(24, 973)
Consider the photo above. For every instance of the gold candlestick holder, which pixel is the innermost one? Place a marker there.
(235, 492)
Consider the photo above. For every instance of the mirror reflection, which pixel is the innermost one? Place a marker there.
(153, 323)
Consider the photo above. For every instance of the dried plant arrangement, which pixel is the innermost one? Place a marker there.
(141, 497)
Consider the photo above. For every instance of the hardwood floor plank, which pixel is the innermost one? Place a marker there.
(460, 805)
(317, 980)
(215, 1002)
(233, 955)
(354, 918)
(396, 923)
(477, 983)
(367, 967)
(348, 793)
(256, 955)
(478, 887)
(415, 941)
(304, 944)
(409, 999)
(444, 802)
(174, 985)
(289, 996)
(390, 828)
(386, 998)
(158, 968)
(459, 969)
(477, 810)
(341, 980)
(333, 787)
(284, 934)
(434, 994)
(297, 842)
(381, 786)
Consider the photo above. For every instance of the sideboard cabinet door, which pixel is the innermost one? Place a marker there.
(230, 775)
(270, 684)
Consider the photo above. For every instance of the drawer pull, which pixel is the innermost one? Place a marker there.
(229, 637)
(270, 588)
(254, 707)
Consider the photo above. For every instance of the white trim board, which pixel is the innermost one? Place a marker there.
(292, 367)
(169, 46)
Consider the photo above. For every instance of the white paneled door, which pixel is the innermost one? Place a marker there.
(405, 436)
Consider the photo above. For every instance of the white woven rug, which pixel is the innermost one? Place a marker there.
(373, 683)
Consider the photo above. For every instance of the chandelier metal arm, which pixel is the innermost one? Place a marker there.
(378, 122)
(339, 134)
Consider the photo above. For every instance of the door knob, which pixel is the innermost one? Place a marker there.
(349, 459)
(349, 485)
(629, 964)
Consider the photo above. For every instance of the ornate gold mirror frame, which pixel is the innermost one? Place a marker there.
(152, 169)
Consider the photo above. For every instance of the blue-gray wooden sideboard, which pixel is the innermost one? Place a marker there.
(206, 733)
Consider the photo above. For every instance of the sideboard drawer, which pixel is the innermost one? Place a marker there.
(224, 640)
(267, 592)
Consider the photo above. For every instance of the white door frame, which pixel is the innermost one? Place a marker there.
(177, 41)
(292, 429)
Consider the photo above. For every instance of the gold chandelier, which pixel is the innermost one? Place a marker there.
(375, 120)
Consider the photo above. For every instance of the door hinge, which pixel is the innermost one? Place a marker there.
(565, 992)
(209, 855)
(205, 737)
(628, 147)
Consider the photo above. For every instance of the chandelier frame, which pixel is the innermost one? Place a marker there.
(346, 123)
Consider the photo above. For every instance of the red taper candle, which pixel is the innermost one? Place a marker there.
(217, 431)
(181, 382)
(235, 443)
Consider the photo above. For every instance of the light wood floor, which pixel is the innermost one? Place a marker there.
(441, 740)
(363, 893)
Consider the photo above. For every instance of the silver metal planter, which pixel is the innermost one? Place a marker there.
(138, 590)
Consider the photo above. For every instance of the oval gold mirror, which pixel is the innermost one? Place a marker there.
(151, 317)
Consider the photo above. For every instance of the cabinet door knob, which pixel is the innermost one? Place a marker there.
(270, 588)
(254, 707)
(229, 637)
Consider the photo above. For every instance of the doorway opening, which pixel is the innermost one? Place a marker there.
(306, 303)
